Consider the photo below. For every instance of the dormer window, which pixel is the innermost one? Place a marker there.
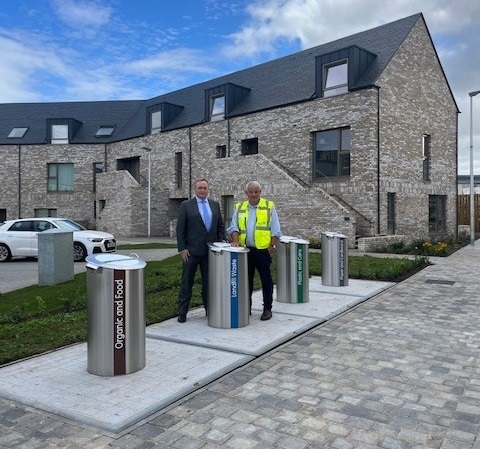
(105, 131)
(336, 79)
(217, 108)
(17, 133)
(155, 122)
(59, 134)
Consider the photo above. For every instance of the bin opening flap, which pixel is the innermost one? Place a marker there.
(114, 261)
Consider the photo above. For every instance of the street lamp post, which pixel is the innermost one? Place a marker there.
(149, 200)
(472, 189)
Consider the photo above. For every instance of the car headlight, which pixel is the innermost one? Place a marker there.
(96, 239)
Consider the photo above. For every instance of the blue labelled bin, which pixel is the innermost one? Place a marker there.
(292, 270)
(115, 314)
(228, 296)
(334, 259)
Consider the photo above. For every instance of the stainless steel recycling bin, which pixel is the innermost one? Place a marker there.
(115, 314)
(228, 297)
(334, 259)
(292, 270)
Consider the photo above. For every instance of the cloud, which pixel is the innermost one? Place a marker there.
(82, 15)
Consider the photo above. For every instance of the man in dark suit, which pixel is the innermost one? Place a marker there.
(199, 222)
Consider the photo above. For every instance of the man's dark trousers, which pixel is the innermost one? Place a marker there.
(188, 277)
(260, 260)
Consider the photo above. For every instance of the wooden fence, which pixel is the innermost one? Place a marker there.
(464, 211)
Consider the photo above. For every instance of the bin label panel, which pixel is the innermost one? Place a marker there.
(341, 260)
(300, 267)
(234, 290)
(119, 327)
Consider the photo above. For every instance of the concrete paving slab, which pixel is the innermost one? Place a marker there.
(58, 382)
(180, 359)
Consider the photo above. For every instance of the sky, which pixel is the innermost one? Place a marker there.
(95, 50)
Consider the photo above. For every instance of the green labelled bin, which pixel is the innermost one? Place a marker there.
(292, 270)
(334, 259)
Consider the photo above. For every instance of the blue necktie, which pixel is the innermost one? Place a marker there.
(206, 215)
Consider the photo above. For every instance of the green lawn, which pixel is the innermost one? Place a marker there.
(37, 319)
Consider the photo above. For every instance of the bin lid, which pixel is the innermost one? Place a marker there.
(288, 239)
(334, 234)
(223, 246)
(114, 261)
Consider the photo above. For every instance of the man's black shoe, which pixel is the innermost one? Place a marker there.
(182, 318)
(266, 315)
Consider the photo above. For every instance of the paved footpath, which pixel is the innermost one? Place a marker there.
(398, 371)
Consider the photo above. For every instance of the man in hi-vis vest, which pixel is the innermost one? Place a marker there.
(255, 225)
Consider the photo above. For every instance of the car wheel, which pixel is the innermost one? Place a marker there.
(79, 252)
(5, 254)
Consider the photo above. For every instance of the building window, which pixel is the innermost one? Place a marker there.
(217, 108)
(17, 133)
(426, 156)
(105, 131)
(178, 170)
(3, 215)
(390, 213)
(335, 78)
(60, 177)
(59, 134)
(130, 164)
(228, 206)
(221, 151)
(42, 212)
(98, 167)
(155, 122)
(437, 215)
(250, 146)
(332, 153)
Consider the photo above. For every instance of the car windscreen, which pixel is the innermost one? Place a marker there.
(69, 225)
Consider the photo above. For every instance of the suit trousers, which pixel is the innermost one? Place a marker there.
(260, 260)
(188, 278)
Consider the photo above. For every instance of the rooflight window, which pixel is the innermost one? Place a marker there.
(59, 134)
(105, 131)
(217, 108)
(17, 133)
(336, 79)
(155, 122)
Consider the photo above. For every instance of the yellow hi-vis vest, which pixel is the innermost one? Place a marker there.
(262, 235)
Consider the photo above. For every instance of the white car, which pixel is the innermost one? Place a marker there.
(19, 238)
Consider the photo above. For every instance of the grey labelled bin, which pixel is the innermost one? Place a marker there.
(115, 314)
(228, 296)
(334, 259)
(292, 270)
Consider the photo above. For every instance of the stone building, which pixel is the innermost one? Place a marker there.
(358, 135)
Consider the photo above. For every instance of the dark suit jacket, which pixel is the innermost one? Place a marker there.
(191, 231)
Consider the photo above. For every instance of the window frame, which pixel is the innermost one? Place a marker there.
(426, 156)
(221, 151)
(105, 131)
(18, 132)
(156, 121)
(338, 88)
(250, 146)
(216, 116)
(391, 212)
(437, 214)
(341, 153)
(54, 178)
(59, 140)
(178, 169)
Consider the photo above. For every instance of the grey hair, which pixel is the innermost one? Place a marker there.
(254, 184)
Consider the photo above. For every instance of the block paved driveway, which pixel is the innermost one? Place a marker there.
(398, 371)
